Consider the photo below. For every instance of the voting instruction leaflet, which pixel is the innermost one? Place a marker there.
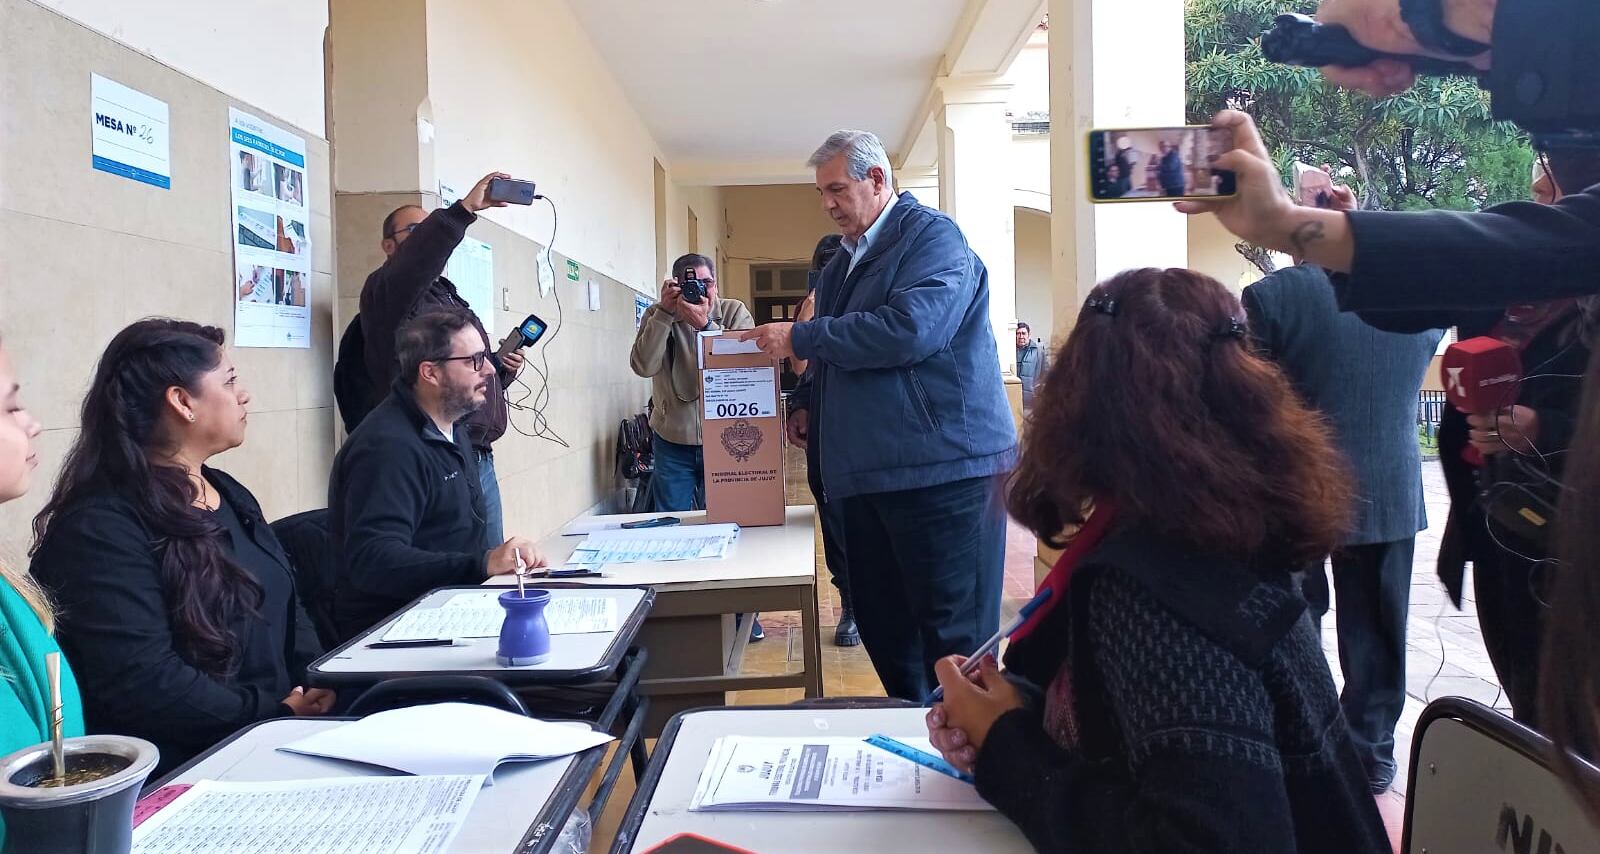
(823, 774)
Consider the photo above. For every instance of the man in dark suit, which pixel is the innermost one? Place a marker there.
(1365, 382)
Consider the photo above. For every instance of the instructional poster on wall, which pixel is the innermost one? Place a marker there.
(471, 270)
(271, 235)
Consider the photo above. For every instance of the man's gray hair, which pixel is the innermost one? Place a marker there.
(862, 151)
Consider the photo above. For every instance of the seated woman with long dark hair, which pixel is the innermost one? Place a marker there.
(177, 604)
(1183, 701)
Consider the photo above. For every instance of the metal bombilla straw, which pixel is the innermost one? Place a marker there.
(52, 667)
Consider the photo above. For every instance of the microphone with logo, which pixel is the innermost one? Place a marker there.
(1480, 377)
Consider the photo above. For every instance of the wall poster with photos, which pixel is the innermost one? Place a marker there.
(271, 235)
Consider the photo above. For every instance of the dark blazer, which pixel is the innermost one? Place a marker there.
(102, 566)
(406, 513)
(904, 339)
(1518, 252)
(410, 282)
(1205, 715)
(1363, 380)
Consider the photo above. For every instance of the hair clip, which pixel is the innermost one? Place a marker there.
(1104, 305)
(1234, 328)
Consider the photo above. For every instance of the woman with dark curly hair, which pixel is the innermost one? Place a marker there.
(1183, 702)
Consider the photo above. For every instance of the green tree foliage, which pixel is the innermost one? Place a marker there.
(1435, 146)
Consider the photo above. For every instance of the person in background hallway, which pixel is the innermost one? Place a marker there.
(27, 619)
(1127, 162)
(405, 501)
(1365, 382)
(178, 606)
(664, 352)
(1523, 443)
(418, 245)
(829, 512)
(904, 399)
(1173, 180)
(1033, 362)
(1171, 695)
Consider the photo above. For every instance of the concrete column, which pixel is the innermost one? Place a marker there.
(975, 184)
(920, 181)
(1098, 81)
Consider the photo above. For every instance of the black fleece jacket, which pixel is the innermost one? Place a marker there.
(405, 510)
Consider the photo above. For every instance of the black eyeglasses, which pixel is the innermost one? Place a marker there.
(404, 230)
(477, 359)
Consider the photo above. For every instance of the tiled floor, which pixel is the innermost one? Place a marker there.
(1445, 656)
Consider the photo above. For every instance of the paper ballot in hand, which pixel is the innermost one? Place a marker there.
(449, 738)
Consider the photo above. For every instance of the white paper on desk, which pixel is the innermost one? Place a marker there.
(479, 615)
(359, 815)
(733, 347)
(822, 774)
(448, 738)
(691, 542)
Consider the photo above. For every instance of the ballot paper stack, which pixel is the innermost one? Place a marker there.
(823, 774)
(642, 545)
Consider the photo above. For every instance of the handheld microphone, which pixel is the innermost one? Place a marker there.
(525, 335)
(1480, 377)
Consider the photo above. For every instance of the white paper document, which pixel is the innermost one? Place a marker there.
(479, 615)
(733, 347)
(801, 774)
(740, 392)
(449, 738)
(359, 815)
(686, 542)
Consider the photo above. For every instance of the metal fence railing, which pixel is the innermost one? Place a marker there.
(1430, 409)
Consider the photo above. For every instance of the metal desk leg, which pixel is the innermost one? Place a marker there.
(632, 744)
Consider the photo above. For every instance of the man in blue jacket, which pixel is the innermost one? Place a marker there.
(903, 399)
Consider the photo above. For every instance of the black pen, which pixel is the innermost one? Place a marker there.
(408, 644)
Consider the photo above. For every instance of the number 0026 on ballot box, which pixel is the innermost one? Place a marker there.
(742, 433)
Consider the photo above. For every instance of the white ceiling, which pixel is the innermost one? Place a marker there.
(765, 81)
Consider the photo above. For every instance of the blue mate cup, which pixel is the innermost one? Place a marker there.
(524, 636)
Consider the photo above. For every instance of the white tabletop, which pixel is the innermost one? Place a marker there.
(477, 655)
(501, 814)
(763, 556)
(776, 832)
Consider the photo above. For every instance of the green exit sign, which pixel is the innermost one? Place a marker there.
(572, 269)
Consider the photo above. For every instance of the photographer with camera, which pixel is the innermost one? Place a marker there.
(665, 351)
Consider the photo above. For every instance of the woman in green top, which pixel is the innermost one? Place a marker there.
(25, 617)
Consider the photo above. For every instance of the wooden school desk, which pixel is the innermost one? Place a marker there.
(694, 648)
(660, 807)
(522, 812)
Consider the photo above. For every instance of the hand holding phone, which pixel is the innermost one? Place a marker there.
(526, 334)
(512, 191)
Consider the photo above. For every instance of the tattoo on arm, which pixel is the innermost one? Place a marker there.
(1303, 236)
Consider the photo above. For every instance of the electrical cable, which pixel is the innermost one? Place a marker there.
(542, 428)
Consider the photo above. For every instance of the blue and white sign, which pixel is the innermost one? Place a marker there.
(129, 129)
(272, 234)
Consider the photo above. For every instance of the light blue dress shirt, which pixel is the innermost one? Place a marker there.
(858, 248)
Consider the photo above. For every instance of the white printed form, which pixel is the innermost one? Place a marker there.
(795, 774)
(479, 615)
(740, 392)
(362, 815)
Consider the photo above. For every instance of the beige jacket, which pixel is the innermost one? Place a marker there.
(664, 352)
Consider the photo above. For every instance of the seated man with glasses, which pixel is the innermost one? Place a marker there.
(406, 507)
(416, 246)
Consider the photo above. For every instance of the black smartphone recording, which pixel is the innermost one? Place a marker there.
(1158, 164)
(513, 191)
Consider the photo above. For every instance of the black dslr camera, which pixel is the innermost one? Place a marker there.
(692, 289)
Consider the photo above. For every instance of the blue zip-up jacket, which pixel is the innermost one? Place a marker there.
(904, 386)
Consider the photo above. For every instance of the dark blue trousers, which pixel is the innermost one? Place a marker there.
(926, 569)
(679, 482)
(1372, 587)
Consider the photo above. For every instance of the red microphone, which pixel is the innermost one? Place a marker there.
(1480, 377)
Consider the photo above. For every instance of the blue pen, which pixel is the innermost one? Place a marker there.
(920, 757)
(975, 660)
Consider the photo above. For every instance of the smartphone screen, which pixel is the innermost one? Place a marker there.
(1158, 164)
(688, 843)
(511, 190)
(532, 330)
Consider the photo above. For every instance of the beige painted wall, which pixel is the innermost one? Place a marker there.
(1035, 291)
(517, 86)
(1211, 252)
(770, 223)
(264, 52)
(85, 253)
